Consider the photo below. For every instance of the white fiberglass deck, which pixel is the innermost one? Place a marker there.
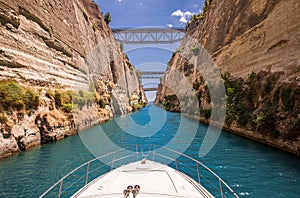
(154, 179)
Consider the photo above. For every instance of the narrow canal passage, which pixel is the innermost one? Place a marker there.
(252, 169)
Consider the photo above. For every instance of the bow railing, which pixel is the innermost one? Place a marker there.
(184, 164)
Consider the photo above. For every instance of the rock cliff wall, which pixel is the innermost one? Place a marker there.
(60, 55)
(255, 45)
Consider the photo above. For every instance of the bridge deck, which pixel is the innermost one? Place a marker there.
(151, 89)
(152, 74)
(148, 35)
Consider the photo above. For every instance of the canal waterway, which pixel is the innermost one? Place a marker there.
(250, 168)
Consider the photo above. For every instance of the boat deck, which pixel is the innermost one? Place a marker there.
(154, 179)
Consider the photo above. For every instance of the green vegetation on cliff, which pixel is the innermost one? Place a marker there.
(14, 97)
(170, 101)
(70, 100)
(107, 18)
(198, 17)
(260, 103)
(140, 104)
(264, 105)
(241, 36)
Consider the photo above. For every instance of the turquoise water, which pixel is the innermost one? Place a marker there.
(250, 168)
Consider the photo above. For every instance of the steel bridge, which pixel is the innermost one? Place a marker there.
(148, 35)
(150, 89)
(152, 74)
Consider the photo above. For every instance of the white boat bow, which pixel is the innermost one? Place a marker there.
(122, 174)
(155, 180)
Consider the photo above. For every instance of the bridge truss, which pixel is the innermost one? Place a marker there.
(152, 74)
(148, 35)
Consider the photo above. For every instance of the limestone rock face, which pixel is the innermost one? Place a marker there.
(62, 45)
(255, 47)
(26, 138)
(246, 36)
(8, 146)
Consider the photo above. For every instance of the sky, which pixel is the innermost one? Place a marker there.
(153, 13)
(163, 13)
